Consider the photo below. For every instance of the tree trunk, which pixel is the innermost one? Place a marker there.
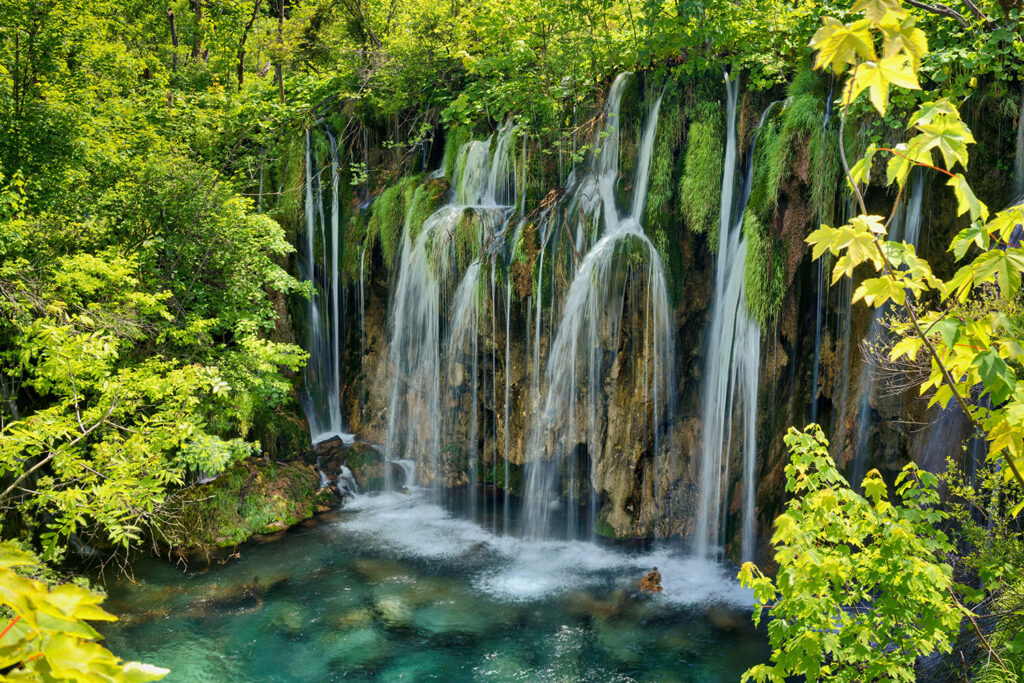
(174, 40)
(197, 43)
(241, 45)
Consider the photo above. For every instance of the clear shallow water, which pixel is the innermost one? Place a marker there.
(394, 588)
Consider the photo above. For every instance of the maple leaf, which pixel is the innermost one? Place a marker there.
(839, 44)
(876, 77)
(876, 10)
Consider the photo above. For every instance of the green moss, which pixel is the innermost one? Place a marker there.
(387, 218)
(426, 199)
(495, 474)
(701, 182)
(826, 173)
(764, 272)
(355, 238)
(661, 188)
(454, 139)
(524, 256)
(466, 240)
(291, 171)
(250, 498)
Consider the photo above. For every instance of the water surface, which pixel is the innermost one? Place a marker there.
(394, 588)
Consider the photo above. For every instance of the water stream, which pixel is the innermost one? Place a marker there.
(733, 361)
(321, 389)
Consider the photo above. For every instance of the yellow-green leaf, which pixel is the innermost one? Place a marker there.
(876, 77)
(839, 44)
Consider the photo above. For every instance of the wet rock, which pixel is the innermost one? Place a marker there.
(726, 620)
(253, 497)
(354, 618)
(582, 604)
(456, 618)
(288, 618)
(378, 570)
(652, 582)
(622, 642)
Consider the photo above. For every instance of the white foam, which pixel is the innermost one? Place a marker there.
(519, 569)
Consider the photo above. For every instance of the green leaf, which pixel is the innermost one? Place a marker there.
(876, 77)
(902, 36)
(998, 378)
(876, 10)
(966, 201)
(840, 44)
(947, 134)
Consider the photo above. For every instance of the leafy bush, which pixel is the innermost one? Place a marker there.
(862, 589)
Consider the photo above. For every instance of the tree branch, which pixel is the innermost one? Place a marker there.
(940, 9)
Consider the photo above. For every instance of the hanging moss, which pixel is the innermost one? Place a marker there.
(764, 272)
(426, 198)
(524, 255)
(826, 173)
(454, 139)
(291, 171)
(701, 181)
(387, 214)
(661, 188)
(467, 239)
(355, 238)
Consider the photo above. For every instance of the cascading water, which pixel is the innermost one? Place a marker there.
(587, 336)
(906, 227)
(732, 364)
(820, 310)
(482, 197)
(320, 394)
(1018, 166)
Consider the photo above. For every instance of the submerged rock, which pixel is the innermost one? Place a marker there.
(354, 649)
(393, 611)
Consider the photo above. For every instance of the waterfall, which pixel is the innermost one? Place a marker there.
(320, 394)
(588, 332)
(421, 386)
(462, 352)
(733, 361)
(1018, 166)
(906, 227)
(820, 311)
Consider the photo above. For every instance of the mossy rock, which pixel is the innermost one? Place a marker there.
(253, 497)
(367, 465)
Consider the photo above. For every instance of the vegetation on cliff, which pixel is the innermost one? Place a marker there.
(153, 174)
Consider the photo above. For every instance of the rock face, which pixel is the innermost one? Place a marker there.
(341, 465)
(645, 487)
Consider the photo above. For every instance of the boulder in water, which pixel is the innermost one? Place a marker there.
(652, 582)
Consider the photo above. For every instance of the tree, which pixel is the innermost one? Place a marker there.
(972, 351)
(862, 588)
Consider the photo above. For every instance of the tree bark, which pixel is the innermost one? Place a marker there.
(197, 43)
(174, 39)
(245, 37)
